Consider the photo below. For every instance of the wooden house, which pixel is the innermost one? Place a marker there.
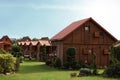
(5, 43)
(34, 48)
(88, 37)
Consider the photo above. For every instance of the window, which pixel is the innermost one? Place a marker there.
(97, 34)
(106, 51)
(86, 28)
(90, 51)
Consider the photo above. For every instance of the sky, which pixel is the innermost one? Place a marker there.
(45, 18)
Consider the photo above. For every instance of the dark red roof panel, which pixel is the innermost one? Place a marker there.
(69, 29)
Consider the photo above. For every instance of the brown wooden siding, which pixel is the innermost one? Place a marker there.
(95, 39)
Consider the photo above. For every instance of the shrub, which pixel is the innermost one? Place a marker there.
(85, 71)
(43, 53)
(57, 63)
(113, 70)
(17, 64)
(48, 62)
(71, 52)
(70, 58)
(21, 59)
(66, 65)
(74, 65)
(7, 63)
(95, 72)
(115, 54)
(77, 66)
(3, 51)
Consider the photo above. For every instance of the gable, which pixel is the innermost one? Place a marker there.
(93, 35)
(62, 34)
(75, 26)
(6, 39)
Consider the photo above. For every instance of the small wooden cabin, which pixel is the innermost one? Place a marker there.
(88, 37)
(34, 48)
(5, 43)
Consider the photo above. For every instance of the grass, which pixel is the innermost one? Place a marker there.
(31, 70)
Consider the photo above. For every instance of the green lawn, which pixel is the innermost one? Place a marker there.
(32, 70)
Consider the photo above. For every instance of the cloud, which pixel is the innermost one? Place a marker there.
(56, 7)
(40, 6)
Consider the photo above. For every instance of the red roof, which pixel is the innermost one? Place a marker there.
(75, 25)
(22, 43)
(27, 43)
(34, 43)
(44, 42)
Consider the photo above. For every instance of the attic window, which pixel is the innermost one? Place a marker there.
(86, 28)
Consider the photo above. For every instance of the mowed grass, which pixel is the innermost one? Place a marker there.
(31, 70)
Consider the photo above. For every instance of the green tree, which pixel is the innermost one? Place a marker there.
(95, 72)
(44, 52)
(115, 54)
(113, 70)
(16, 51)
(70, 58)
(57, 63)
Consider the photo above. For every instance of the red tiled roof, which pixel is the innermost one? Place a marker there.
(34, 43)
(74, 26)
(44, 42)
(27, 43)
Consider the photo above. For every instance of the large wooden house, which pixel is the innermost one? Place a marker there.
(88, 37)
(5, 43)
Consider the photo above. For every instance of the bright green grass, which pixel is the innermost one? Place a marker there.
(31, 70)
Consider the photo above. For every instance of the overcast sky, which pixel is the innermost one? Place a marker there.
(41, 18)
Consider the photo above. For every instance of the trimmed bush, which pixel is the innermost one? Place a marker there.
(7, 63)
(71, 51)
(70, 58)
(57, 63)
(112, 71)
(85, 71)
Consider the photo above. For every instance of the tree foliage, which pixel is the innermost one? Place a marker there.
(7, 63)
(115, 54)
(70, 58)
(43, 54)
(113, 69)
(16, 51)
